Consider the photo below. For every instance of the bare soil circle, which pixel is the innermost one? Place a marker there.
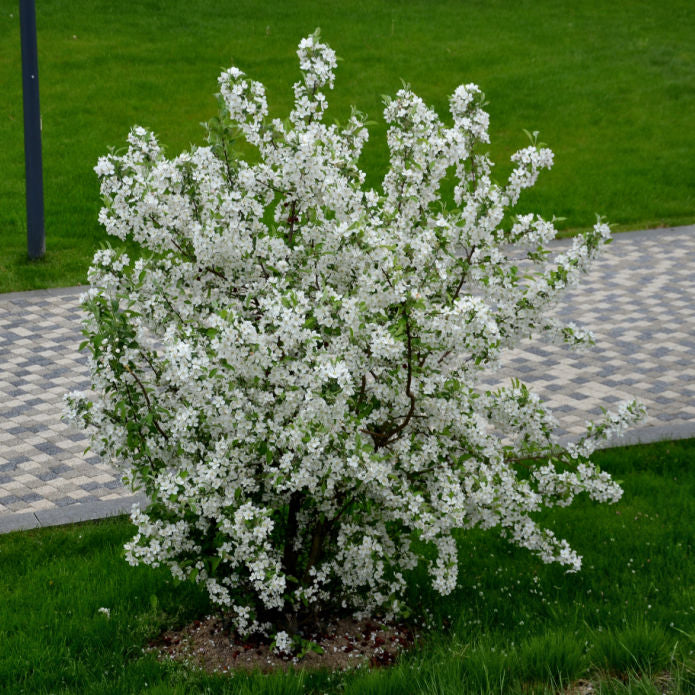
(344, 644)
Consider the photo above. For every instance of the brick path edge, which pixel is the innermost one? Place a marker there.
(93, 511)
(75, 513)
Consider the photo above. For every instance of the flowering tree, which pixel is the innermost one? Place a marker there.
(291, 370)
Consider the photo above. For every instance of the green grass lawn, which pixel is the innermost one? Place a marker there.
(514, 625)
(610, 87)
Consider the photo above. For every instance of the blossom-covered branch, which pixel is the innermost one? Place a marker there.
(291, 369)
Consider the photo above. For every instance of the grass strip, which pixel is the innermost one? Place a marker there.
(626, 621)
(610, 87)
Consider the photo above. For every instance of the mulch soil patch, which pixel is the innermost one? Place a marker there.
(347, 643)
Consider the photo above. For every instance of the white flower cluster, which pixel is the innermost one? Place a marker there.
(290, 371)
(283, 643)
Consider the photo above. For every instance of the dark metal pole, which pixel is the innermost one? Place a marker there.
(36, 242)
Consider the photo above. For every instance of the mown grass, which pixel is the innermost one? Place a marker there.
(514, 625)
(610, 87)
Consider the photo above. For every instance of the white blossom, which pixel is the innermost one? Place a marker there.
(290, 370)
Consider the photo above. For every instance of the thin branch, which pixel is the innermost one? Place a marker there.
(142, 438)
(171, 307)
(227, 164)
(289, 555)
(147, 359)
(291, 220)
(382, 439)
(317, 539)
(408, 385)
(387, 277)
(465, 271)
(147, 400)
(445, 355)
(191, 257)
(362, 393)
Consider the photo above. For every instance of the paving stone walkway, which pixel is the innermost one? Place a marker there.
(639, 300)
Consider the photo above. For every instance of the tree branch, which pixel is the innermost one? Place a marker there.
(382, 439)
(291, 220)
(465, 271)
(289, 555)
(147, 400)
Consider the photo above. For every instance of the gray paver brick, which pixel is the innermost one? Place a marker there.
(639, 300)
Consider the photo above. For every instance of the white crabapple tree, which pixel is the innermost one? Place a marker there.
(291, 370)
